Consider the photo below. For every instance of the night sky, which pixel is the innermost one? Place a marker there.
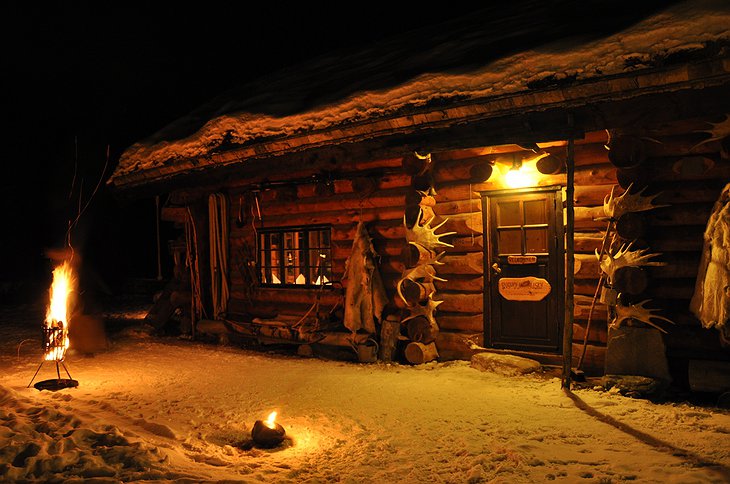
(84, 78)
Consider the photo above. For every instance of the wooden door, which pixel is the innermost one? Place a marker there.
(524, 269)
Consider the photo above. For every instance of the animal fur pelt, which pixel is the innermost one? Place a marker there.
(365, 297)
(711, 300)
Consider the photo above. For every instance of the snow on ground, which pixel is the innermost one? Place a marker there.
(173, 410)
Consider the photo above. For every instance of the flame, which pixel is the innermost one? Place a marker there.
(57, 313)
(271, 421)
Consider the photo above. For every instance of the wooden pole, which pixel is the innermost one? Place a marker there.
(159, 248)
(570, 265)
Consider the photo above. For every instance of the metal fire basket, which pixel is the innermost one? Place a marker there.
(54, 344)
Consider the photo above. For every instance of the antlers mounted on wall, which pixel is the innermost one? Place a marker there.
(639, 313)
(615, 206)
(425, 235)
(625, 257)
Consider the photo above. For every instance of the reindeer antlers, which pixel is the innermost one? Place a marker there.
(640, 313)
(625, 257)
(425, 235)
(614, 207)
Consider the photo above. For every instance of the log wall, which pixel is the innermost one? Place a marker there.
(378, 198)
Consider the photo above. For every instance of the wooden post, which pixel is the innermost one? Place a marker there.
(570, 264)
(159, 249)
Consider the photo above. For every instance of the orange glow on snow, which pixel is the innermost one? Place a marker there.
(57, 313)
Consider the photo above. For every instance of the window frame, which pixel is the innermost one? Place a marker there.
(264, 253)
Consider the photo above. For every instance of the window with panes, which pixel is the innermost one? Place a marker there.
(295, 257)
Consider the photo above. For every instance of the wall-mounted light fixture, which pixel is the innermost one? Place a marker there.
(516, 177)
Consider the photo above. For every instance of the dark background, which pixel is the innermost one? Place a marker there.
(85, 79)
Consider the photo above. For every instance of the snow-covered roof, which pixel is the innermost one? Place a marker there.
(310, 107)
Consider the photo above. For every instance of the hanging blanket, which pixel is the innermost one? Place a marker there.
(365, 296)
(711, 300)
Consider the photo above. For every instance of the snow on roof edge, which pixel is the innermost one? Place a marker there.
(683, 31)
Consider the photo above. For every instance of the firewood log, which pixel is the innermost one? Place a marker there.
(419, 353)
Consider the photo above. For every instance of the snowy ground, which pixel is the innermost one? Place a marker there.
(168, 409)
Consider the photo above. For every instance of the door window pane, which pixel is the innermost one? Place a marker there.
(508, 213)
(535, 212)
(509, 241)
(536, 240)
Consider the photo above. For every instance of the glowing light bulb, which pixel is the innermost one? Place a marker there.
(516, 178)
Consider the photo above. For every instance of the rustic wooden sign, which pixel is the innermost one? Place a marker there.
(521, 259)
(524, 288)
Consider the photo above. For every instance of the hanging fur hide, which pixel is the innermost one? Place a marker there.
(711, 300)
(365, 296)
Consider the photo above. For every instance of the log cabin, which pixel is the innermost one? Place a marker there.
(478, 198)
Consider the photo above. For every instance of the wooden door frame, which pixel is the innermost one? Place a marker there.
(487, 255)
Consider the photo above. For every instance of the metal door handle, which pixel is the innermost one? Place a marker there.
(496, 268)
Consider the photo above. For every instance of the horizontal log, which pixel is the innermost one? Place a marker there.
(595, 358)
(461, 322)
(469, 263)
(588, 242)
(672, 289)
(350, 201)
(689, 214)
(445, 209)
(337, 217)
(342, 249)
(676, 239)
(586, 266)
(458, 193)
(677, 193)
(463, 225)
(253, 174)
(384, 182)
(475, 169)
(587, 218)
(670, 169)
(582, 309)
(459, 342)
(469, 243)
(591, 195)
(597, 334)
(595, 175)
(585, 287)
(381, 229)
(679, 266)
(460, 302)
(461, 284)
